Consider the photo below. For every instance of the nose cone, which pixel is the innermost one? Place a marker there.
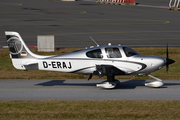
(169, 61)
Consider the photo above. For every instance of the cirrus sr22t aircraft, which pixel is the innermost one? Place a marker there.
(107, 60)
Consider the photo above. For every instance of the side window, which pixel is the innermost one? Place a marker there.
(94, 54)
(113, 53)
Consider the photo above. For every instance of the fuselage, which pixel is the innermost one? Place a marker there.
(84, 61)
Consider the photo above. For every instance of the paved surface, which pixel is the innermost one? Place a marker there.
(149, 23)
(85, 90)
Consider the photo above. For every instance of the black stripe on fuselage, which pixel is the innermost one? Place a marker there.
(143, 65)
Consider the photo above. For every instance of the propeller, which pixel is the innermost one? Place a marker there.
(168, 61)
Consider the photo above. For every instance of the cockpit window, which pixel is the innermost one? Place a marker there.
(113, 52)
(94, 54)
(129, 52)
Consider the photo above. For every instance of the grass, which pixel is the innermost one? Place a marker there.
(94, 110)
(9, 72)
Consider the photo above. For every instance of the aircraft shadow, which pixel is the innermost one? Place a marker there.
(61, 83)
(130, 84)
(171, 84)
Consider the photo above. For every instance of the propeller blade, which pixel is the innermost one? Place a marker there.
(168, 61)
(167, 68)
(167, 57)
(167, 53)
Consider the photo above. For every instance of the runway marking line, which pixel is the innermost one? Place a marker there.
(5, 4)
(70, 11)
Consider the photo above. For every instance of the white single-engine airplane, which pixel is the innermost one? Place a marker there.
(107, 60)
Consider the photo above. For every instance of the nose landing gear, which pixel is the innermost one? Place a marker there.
(156, 84)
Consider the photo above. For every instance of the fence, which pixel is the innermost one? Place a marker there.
(174, 5)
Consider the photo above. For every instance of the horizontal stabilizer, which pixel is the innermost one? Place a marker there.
(30, 63)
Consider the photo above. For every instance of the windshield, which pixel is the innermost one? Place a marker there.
(129, 52)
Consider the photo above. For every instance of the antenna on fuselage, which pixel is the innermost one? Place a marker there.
(93, 40)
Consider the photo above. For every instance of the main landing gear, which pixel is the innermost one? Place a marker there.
(110, 72)
(110, 83)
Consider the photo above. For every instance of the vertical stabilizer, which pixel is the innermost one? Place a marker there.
(20, 54)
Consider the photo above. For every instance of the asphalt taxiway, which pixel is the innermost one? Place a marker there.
(86, 90)
(149, 23)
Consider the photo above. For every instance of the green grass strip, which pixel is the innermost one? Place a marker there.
(93, 110)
